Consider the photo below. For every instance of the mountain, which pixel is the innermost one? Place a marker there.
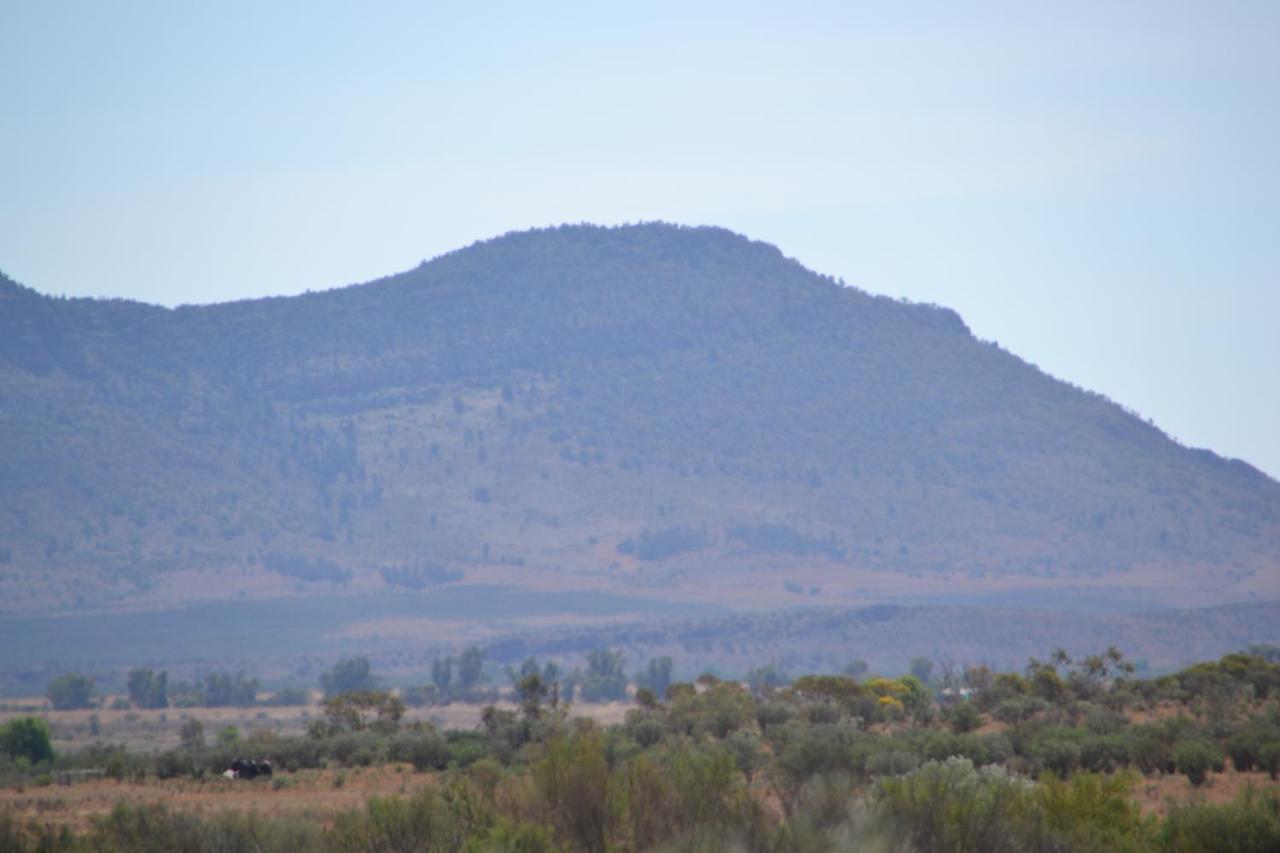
(674, 411)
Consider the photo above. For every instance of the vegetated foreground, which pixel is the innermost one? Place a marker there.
(1066, 755)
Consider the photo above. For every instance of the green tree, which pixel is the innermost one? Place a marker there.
(605, 679)
(471, 668)
(531, 691)
(352, 675)
(365, 709)
(442, 674)
(921, 668)
(223, 690)
(27, 737)
(657, 677)
(148, 689)
(70, 691)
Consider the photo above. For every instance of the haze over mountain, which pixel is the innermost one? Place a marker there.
(674, 412)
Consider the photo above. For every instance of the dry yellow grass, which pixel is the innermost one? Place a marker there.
(315, 793)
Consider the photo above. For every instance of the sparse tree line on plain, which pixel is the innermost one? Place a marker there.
(1045, 759)
(460, 678)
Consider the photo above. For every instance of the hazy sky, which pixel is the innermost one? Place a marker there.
(1096, 187)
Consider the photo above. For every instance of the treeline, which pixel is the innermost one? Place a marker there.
(1046, 759)
(148, 689)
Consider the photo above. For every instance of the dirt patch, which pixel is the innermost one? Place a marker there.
(314, 793)
(1156, 794)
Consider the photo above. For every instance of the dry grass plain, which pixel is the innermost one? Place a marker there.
(157, 730)
(318, 794)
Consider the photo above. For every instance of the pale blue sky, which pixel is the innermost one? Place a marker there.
(1095, 186)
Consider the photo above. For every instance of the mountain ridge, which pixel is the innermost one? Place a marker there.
(522, 408)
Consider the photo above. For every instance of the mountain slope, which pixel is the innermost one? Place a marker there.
(676, 409)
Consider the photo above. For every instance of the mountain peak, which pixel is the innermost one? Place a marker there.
(675, 408)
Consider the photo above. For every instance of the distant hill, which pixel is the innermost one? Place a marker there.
(677, 410)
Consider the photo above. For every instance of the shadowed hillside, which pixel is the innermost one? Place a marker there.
(674, 410)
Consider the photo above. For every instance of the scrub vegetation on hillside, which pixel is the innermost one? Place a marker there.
(681, 397)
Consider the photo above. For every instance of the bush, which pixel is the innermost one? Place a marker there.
(466, 748)
(425, 750)
(648, 732)
(938, 746)
(433, 819)
(155, 829)
(819, 749)
(573, 779)
(1150, 754)
(1251, 824)
(1269, 758)
(772, 714)
(747, 752)
(27, 738)
(296, 753)
(1195, 759)
(951, 806)
(148, 689)
(353, 675)
(71, 691)
(1104, 753)
(1092, 811)
(1245, 749)
(891, 761)
(356, 749)
(964, 718)
(174, 763)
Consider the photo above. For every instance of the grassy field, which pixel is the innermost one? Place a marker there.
(150, 731)
(322, 793)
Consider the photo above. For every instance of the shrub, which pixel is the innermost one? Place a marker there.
(1195, 758)
(1150, 754)
(1250, 824)
(964, 718)
(819, 749)
(1245, 748)
(70, 691)
(1092, 811)
(1269, 758)
(1104, 753)
(27, 738)
(296, 753)
(425, 750)
(648, 732)
(466, 748)
(1019, 708)
(433, 819)
(573, 779)
(891, 761)
(772, 714)
(747, 752)
(353, 675)
(155, 829)
(148, 689)
(950, 805)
